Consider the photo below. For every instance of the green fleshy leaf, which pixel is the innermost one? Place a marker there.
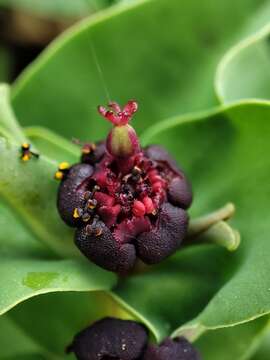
(238, 342)
(70, 312)
(264, 351)
(52, 145)
(27, 269)
(224, 154)
(108, 54)
(169, 294)
(30, 189)
(243, 72)
(8, 121)
(21, 344)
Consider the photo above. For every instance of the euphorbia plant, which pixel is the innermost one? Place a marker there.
(223, 149)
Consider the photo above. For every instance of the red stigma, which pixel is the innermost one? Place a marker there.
(118, 116)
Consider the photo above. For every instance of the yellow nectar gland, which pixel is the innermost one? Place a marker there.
(58, 175)
(64, 166)
(62, 169)
(25, 146)
(26, 157)
(76, 214)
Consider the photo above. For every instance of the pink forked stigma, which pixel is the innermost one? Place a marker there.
(116, 115)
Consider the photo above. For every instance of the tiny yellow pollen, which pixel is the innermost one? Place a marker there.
(58, 175)
(76, 214)
(64, 165)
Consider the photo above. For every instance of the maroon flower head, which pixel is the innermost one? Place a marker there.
(125, 201)
(110, 339)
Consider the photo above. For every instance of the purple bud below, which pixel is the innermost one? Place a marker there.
(109, 339)
(115, 339)
(172, 349)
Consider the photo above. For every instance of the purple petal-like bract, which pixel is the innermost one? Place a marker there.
(71, 190)
(179, 189)
(95, 155)
(166, 237)
(104, 251)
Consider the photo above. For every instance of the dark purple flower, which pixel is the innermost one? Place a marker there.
(110, 339)
(114, 339)
(125, 201)
(172, 349)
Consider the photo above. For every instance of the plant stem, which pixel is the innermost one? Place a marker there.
(203, 223)
(220, 234)
(212, 228)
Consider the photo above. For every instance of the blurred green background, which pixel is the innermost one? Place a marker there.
(28, 26)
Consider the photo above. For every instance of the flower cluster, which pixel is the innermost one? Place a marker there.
(125, 201)
(114, 339)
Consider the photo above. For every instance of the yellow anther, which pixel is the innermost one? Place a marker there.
(76, 214)
(58, 175)
(25, 146)
(137, 169)
(26, 157)
(64, 166)
(86, 150)
(99, 232)
(96, 188)
(91, 204)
